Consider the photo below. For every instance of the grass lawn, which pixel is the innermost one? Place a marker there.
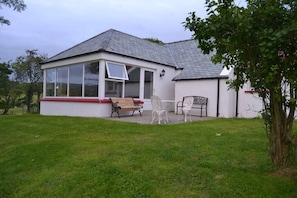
(47, 156)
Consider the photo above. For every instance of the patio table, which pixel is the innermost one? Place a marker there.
(166, 105)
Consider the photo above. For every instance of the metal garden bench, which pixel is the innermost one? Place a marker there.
(200, 103)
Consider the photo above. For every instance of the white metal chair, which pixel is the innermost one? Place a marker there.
(187, 106)
(158, 109)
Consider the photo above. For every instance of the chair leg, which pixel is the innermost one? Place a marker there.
(153, 117)
(186, 112)
(166, 116)
(159, 118)
(185, 115)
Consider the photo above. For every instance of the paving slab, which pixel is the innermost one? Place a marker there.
(146, 118)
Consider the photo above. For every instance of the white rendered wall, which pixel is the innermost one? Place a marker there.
(79, 109)
(205, 88)
(249, 103)
(227, 101)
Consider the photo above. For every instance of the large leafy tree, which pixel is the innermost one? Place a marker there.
(9, 90)
(259, 41)
(17, 5)
(28, 71)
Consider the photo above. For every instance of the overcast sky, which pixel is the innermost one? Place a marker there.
(52, 26)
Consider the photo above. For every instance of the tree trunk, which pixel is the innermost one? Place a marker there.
(7, 105)
(38, 102)
(5, 111)
(279, 134)
(295, 147)
(29, 98)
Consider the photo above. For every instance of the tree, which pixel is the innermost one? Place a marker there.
(259, 42)
(154, 40)
(9, 92)
(17, 5)
(28, 71)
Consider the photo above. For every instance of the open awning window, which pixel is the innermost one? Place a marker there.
(116, 71)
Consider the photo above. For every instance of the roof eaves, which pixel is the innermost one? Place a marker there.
(103, 50)
(104, 47)
(188, 79)
(60, 59)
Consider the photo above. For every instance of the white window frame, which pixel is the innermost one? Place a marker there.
(123, 70)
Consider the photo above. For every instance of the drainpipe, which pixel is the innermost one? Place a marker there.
(236, 108)
(218, 97)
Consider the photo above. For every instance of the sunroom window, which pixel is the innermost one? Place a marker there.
(116, 71)
(50, 82)
(62, 81)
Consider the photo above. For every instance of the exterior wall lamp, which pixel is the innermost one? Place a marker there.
(162, 73)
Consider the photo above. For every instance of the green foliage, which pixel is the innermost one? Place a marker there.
(27, 70)
(259, 42)
(9, 90)
(17, 5)
(250, 39)
(154, 40)
(50, 156)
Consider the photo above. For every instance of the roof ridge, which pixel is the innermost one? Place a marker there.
(180, 41)
(169, 50)
(82, 42)
(105, 45)
(143, 39)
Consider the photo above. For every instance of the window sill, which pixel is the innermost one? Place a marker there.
(84, 100)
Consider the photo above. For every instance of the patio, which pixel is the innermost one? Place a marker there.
(146, 118)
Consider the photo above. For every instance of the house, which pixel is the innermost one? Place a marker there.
(79, 81)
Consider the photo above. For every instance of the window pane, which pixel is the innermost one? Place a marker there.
(116, 71)
(132, 85)
(148, 84)
(75, 80)
(50, 82)
(91, 79)
(113, 89)
(62, 77)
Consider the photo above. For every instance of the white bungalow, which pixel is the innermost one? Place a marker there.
(79, 81)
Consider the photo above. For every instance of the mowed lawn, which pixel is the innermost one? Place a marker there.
(48, 156)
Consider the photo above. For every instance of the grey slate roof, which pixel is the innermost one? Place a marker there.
(195, 64)
(182, 54)
(119, 43)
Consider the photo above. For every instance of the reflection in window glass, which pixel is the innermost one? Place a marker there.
(91, 79)
(116, 71)
(113, 89)
(75, 80)
(132, 86)
(148, 84)
(62, 78)
(50, 82)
